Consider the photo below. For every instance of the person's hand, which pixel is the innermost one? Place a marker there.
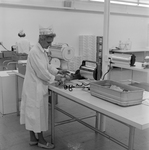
(68, 77)
(59, 77)
(63, 72)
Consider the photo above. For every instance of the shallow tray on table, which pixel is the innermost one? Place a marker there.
(123, 95)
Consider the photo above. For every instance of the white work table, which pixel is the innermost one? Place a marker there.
(133, 116)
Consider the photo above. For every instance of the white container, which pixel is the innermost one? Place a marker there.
(22, 66)
(123, 95)
(128, 44)
(8, 92)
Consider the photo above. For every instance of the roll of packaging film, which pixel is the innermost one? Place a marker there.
(62, 51)
(87, 72)
(55, 62)
(121, 58)
(128, 59)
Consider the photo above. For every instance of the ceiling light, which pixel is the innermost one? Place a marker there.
(124, 3)
(143, 5)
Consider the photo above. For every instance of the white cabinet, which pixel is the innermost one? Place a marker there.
(8, 92)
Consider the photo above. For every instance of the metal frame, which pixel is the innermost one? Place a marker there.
(101, 130)
(130, 145)
(9, 62)
(18, 75)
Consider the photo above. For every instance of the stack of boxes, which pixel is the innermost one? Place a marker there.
(90, 48)
(87, 51)
(87, 47)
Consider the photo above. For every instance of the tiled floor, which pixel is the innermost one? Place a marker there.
(72, 136)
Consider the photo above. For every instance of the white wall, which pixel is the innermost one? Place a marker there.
(133, 27)
(69, 24)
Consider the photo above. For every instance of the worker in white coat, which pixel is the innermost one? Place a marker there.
(34, 104)
(23, 45)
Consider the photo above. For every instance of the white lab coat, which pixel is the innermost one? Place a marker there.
(23, 45)
(34, 104)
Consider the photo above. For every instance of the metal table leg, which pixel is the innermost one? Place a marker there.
(17, 95)
(102, 123)
(97, 121)
(131, 138)
(52, 118)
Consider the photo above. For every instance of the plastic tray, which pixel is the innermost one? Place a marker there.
(126, 96)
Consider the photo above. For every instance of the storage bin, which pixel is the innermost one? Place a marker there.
(1, 55)
(21, 56)
(7, 54)
(123, 95)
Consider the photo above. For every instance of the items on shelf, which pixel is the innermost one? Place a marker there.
(125, 45)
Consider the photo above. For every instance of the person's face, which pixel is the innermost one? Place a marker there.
(48, 41)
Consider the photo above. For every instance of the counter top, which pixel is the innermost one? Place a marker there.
(130, 51)
(136, 116)
(7, 73)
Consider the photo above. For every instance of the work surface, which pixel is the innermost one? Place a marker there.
(136, 116)
(131, 51)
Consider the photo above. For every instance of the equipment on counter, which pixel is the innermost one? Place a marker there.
(88, 72)
(146, 62)
(70, 85)
(61, 53)
(125, 59)
(14, 48)
(70, 81)
(11, 59)
(145, 65)
(83, 84)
